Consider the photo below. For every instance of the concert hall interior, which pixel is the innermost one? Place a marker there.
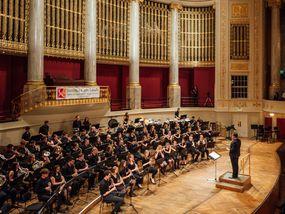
(142, 106)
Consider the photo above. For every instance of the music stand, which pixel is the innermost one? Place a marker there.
(147, 184)
(214, 156)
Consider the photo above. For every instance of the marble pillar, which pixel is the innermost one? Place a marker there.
(275, 47)
(90, 44)
(134, 87)
(173, 89)
(35, 46)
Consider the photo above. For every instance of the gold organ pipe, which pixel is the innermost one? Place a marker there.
(75, 47)
(16, 26)
(11, 10)
(53, 24)
(80, 40)
(48, 23)
(4, 29)
(67, 24)
(62, 33)
(71, 5)
(57, 45)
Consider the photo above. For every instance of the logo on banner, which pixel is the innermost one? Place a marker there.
(61, 93)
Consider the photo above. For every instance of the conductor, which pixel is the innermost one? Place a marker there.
(235, 153)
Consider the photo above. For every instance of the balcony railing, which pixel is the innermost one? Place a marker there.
(46, 96)
(154, 103)
(197, 102)
(119, 104)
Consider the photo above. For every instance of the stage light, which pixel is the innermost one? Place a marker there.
(271, 114)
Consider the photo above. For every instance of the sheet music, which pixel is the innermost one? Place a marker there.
(214, 155)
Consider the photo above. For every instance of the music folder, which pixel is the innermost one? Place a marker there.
(214, 155)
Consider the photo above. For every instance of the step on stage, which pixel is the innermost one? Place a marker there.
(191, 193)
(240, 184)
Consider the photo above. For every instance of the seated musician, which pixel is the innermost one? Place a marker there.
(148, 165)
(16, 180)
(43, 186)
(121, 150)
(23, 152)
(202, 147)
(192, 149)
(127, 176)
(117, 180)
(176, 154)
(93, 132)
(58, 181)
(183, 151)
(167, 155)
(155, 141)
(86, 147)
(133, 148)
(81, 166)
(33, 148)
(160, 160)
(135, 170)
(109, 194)
(69, 172)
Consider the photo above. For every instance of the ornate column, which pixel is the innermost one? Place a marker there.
(35, 45)
(275, 47)
(173, 89)
(134, 87)
(90, 44)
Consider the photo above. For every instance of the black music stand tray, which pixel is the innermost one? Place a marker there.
(80, 176)
(214, 156)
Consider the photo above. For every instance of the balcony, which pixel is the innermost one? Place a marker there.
(46, 97)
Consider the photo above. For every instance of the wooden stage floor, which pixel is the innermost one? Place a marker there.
(192, 193)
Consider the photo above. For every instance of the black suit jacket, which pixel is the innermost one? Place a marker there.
(235, 148)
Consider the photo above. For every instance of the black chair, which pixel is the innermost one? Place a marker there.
(103, 203)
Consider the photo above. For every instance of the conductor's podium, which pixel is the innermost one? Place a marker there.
(243, 182)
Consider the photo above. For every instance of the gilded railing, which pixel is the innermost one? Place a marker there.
(112, 30)
(14, 25)
(197, 36)
(154, 32)
(46, 96)
(239, 41)
(244, 161)
(64, 28)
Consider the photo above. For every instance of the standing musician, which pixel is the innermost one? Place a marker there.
(44, 129)
(177, 114)
(135, 170)
(76, 125)
(126, 119)
(127, 176)
(148, 166)
(27, 134)
(109, 194)
(202, 147)
(235, 153)
(160, 160)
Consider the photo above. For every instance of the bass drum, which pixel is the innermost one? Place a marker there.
(113, 123)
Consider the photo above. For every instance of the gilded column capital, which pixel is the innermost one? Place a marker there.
(274, 3)
(176, 6)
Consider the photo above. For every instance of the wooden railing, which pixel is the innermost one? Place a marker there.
(46, 96)
(244, 161)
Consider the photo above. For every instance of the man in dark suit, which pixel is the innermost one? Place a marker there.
(235, 153)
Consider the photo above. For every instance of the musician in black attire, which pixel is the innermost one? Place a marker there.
(176, 114)
(191, 148)
(235, 153)
(27, 134)
(76, 123)
(44, 129)
(148, 166)
(69, 172)
(109, 194)
(43, 186)
(82, 166)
